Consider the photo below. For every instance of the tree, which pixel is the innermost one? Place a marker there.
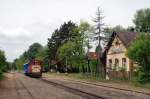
(33, 50)
(142, 20)
(67, 51)
(43, 56)
(18, 63)
(117, 28)
(28, 56)
(3, 63)
(67, 32)
(53, 44)
(73, 51)
(85, 30)
(99, 28)
(140, 53)
(72, 54)
(99, 35)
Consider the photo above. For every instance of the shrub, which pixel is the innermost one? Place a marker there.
(139, 52)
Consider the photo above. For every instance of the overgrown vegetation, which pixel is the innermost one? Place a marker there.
(140, 53)
(142, 20)
(35, 51)
(3, 63)
(67, 48)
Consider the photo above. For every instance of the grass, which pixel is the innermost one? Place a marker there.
(136, 84)
(1, 76)
(97, 79)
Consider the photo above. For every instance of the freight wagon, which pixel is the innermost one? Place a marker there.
(33, 68)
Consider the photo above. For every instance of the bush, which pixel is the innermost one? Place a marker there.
(139, 52)
(142, 76)
(3, 64)
(1, 74)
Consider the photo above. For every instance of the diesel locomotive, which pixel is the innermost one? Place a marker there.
(33, 68)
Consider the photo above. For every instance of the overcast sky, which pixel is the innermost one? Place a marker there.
(23, 22)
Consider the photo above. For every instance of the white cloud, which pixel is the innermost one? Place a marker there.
(23, 22)
(15, 32)
(16, 40)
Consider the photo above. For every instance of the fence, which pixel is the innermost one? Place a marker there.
(123, 75)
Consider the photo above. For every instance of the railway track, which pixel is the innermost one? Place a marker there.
(73, 90)
(83, 92)
(100, 85)
(22, 90)
(137, 93)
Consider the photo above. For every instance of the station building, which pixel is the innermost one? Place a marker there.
(115, 54)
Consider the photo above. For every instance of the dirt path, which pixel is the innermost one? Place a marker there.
(18, 86)
(7, 88)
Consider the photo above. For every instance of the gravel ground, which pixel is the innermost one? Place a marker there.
(37, 88)
(43, 90)
(11, 87)
(120, 85)
(108, 93)
(7, 88)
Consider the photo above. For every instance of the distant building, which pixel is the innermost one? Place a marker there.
(92, 55)
(115, 54)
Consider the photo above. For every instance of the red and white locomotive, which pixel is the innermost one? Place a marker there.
(33, 68)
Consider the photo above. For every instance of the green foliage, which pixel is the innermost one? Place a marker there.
(18, 63)
(72, 52)
(1, 75)
(117, 28)
(143, 76)
(42, 54)
(68, 43)
(34, 51)
(67, 32)
(84, 26)
(67, 50)
(122, 69)
(142, 20)
(3, 63)
(140, 53)
(60, 43)
(85, 30)
(93, 65)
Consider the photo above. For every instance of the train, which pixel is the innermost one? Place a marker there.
(33, 68)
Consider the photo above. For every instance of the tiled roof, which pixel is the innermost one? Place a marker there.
(127, 37)
(92, 55)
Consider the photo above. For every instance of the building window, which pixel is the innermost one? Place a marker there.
(124, 62)
(116, 43)
(116, 63)
(110, 63)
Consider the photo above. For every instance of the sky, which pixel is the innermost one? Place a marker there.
(23, 22)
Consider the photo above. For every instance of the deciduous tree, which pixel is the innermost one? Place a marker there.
(3, 63)
(142, 20)
(140, 53)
